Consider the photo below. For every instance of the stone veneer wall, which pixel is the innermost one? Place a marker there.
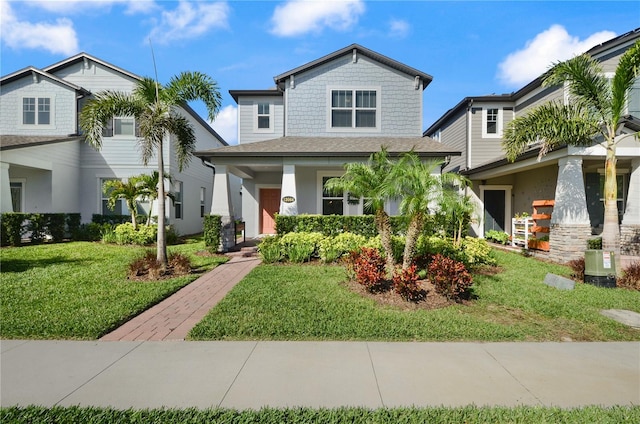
(568, 241)
(630, 240)
(228, 236)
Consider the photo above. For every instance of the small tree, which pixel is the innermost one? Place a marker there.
(129, 191)
(148, 184)
(367, 180)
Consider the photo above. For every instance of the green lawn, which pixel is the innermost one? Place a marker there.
(79, 290)
(302, 302)
(468, 414)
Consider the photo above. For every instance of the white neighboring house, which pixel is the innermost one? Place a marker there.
(46, 167)
(339, 108)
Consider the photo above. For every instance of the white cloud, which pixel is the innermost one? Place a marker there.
(226, 124)
(80, 6)
(552, 45)
(399, 28)
(56, 37)
(190, 20)
(298, 17)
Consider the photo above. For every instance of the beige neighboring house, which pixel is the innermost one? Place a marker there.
(45, 166)
(571, 176)
(337, 109)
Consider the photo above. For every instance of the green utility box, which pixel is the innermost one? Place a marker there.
(600, 268)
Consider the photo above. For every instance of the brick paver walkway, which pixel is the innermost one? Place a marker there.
(175, 316)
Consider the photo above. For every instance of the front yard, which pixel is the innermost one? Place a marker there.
(79, 290)
(308, 302)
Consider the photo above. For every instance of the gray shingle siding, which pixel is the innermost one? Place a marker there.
(399, 102)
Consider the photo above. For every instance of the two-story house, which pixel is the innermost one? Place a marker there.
(339, 108)
(570, 176)
(45, 166)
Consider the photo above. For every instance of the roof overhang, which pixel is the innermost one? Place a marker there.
(11, 142)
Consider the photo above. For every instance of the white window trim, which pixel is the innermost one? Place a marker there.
(179, 201)
(23, 199)
(36, 126)
(376, 129)
(255, 118)
(500, 128)
(320, 187)
(507, 207)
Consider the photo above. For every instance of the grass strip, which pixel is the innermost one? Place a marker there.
(467, 414)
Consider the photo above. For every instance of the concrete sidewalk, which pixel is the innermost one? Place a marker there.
(317, 374)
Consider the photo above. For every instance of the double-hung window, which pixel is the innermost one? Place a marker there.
(36, 111)
(120, 126)
(177, 203)
(492, 122)
(119, 206)
(352, 108)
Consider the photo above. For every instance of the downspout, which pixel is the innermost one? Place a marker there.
(468, 135)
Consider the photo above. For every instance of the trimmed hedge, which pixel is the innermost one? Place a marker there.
(56, 225)
(212, 232)
(332, 225)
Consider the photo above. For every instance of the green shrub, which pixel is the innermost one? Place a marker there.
(37, 225)
(212, 232)
(332, 225)
(126, 234)
(332, 248)
(73, 221)
(477, 252)
(269, 250)
(55, 226)
(12, 224)
(110, 219)
(497, 236)
(300, 247)
(595, 243)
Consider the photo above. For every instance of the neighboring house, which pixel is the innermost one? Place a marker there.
(571, 176)
(46, 166)
(292, 138)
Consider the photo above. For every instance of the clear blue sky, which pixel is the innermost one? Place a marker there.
(470, 48)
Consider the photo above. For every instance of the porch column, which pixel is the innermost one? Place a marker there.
(289, 201)
(5, 188)
(570, 226)
(630, 228)
(221, 205)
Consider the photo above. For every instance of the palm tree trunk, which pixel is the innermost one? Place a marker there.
(134, 221)
(415, 226)
(384, 228)
(161, 242)
(611, 229)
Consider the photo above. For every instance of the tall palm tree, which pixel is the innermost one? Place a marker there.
(154, 108)
(367, 180)
(596, 107)
(420, 188)
(129, 191)
(148, 185)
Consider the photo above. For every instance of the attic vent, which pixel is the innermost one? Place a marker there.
(86, 63)
(416, 82)
(292, 84)
(354, 59)
(34, 75)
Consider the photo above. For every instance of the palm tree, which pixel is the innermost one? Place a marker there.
(154, 108)
(148, 185)
(367, 180)
(129, 191)
(420, 190)
(596, 108)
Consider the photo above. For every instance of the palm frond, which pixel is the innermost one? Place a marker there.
(190, 86)
(185, 139)
(626, 74)
(145, 90)
(105, 106)
(551, 124)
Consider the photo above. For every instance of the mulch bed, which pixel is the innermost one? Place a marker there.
(430, 301)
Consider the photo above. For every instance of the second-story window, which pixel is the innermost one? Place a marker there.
(264, 121)
(354, 108)
(120, 127)
(36, 111)
(492, 122)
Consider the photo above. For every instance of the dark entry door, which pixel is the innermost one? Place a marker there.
(494, 210)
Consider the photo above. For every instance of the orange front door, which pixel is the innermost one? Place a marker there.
(269, 207)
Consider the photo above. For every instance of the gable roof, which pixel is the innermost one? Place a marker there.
(81, 57)
(30, 70)
(332, 146)
(426, 78)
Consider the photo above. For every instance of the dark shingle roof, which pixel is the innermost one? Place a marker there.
(332, 146)
(9, 142)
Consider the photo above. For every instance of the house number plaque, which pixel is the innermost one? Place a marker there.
(288, 199)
